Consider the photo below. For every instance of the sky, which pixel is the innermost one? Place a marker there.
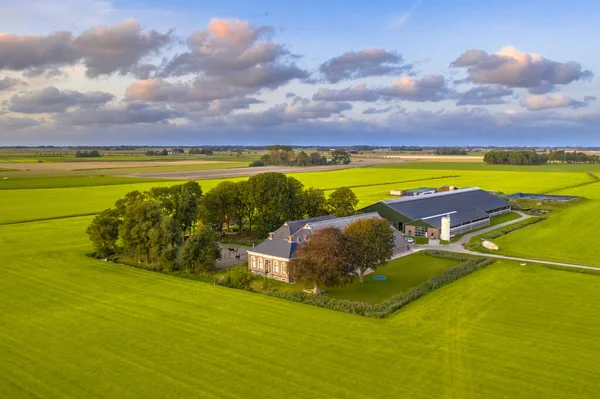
(336, 72)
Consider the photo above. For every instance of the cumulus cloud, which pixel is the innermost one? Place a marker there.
(119, 114)
(302, 111)
(429, 88)
(549, 101)
(374, 111)
(235, 53)
(363, 63)
(484, 95)
(8, 83)
(104, 50)
(51, 99)
(513, 68)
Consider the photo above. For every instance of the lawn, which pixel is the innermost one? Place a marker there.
(71, 326)
(505, 217)
(69, 181)
(402, 274)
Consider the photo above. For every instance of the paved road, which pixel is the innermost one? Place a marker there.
(459, 247)
(244, 172)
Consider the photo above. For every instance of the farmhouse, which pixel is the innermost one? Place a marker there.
(270, 258)
(441, 215)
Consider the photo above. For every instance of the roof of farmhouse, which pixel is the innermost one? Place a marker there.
(290, 228)
(439, 204)
(276, 247)
(341, 223)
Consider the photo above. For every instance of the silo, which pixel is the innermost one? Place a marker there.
(445, 233)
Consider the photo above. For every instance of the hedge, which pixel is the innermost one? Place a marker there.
(397, 302)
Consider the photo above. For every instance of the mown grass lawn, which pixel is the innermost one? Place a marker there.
(402, 274)
(505, 217)
(71, 326)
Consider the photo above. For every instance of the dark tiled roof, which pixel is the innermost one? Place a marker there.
(460, 217)
(438, 204)
(275, 247)
(291, 227)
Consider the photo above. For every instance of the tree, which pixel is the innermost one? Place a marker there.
(243, 205)
(269, 194)
(181, 201)
(130, 199)
(371, 244)
(218, 205)
(139, 219)
(200, 252)
(104, 232)
(340, 157)
(294, 205)
(342, 202)
(165, 241)
(303, 159)
(323, 260)
(315, 203)
(316, 158)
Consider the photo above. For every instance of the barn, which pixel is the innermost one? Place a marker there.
(423, 216)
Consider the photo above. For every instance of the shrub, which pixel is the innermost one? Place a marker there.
(257, 163)
(238, 277)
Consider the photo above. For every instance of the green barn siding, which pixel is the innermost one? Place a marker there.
(386, 212)
(421, 223)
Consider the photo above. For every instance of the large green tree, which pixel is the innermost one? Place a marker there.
(165, 242)
(181, 201)
(271, 197)
(140, 218)
(218, 205)
(104, 232)
(342, 202)
(200, 252)
(315, 203)
(371, 244)
(323, 260)
(243, 205)
(340, 157)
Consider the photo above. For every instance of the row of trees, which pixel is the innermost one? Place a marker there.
(285, 155)
(333, 257)
(88, 154)
(572, 157)
(151, 153)
(450, 151)
(502, 157)
(158, 228)
(265, 201)
(201, 151)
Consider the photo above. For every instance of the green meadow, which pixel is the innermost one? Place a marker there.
(72, 326)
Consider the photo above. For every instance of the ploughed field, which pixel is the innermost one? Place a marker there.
(72, 326)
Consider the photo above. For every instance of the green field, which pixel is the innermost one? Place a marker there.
(69, 181)
(505, 217)
(71, 326)
(402, 274)
(553, 167)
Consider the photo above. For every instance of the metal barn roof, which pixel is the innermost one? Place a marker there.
(290, 228)
(456, 202)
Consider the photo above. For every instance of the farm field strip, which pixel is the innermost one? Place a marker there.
(124, 332)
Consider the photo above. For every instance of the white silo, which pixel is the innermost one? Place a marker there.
(445, 233)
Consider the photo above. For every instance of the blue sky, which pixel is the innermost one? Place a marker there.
(334, 72)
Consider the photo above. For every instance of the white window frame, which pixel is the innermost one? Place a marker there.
(275, 267)
(283, 268)
(260, 263)
(254, 262)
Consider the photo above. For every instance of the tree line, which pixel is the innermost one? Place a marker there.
(88, 154)
(501, 157)
(264, 202)
(157, 228)
(151, 153)
(285, 155)
(450, 151)
(201, 151)
(173, 228)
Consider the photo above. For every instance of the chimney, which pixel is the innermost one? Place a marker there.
(271, 236)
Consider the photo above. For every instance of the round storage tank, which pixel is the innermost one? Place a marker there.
(445, 233)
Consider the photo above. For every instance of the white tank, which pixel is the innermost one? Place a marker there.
(445, 233)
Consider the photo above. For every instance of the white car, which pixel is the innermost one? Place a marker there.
(409, 240)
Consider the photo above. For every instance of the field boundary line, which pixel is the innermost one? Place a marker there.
(78, 215)
(595, 179)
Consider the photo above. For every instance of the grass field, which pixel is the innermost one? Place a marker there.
(402, 274)
(505, 217)
(71, 326)
(480, 166)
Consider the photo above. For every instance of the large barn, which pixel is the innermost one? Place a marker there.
(423, 216)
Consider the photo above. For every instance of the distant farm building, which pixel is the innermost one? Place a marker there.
(176, 151)
(271, 257)
(413, 192)
(457, 211)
